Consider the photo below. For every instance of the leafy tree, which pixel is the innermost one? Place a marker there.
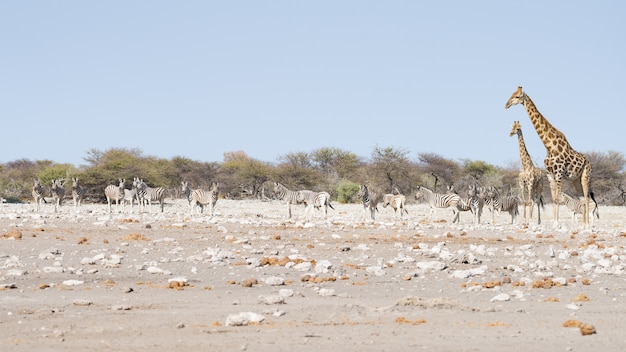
(249, 174)
(607, 176)
(334, 163)
(296, 171)
(391, 168)
(443, 171)
(346, 191)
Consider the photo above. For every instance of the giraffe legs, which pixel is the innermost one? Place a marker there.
(525, 193)
(531, 202)
(582, 186)
(555, 191)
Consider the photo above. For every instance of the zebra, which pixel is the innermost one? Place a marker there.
(397, 202)
(439, 200)
(576, 206)
(497, 204)
(38, 194)
(290, 197)
(149, 194)
(370, 201)
(129, 196)
(477, 203)
(465, 204)
(473, 202)
(317, 200)
(115, 193)
(186, 189)
(58, 192)
(200, 197)
(78, 193)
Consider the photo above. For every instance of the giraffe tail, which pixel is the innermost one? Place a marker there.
(595, 211)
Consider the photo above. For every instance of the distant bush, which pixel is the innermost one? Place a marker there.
(346, 191)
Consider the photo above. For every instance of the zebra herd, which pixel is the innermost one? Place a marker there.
(58, 193)
(478, 198)
(474, 201)
(140, 192)
(200, 197)
(312, 200)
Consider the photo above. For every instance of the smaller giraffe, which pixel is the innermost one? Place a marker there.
(529, 178)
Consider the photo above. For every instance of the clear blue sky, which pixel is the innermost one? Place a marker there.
(200, 78)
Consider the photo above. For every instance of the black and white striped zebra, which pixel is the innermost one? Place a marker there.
(38, 195)
(200, 198)
(465, 204)
(288, 196)
(397, 202)
(130, 195)
(576, 206)
(78, 193)
(495, 203)
(472, 203)
(370, 201)
(115, 193)
(58, 192)
(439, 200)
(186, 189)
(148, 195)
(316, 200)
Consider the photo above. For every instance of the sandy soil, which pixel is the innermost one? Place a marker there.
(249, 279)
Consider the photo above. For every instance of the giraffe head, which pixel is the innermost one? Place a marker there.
(517, 128)
(517, 97)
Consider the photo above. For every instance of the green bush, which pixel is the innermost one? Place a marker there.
(346, 191)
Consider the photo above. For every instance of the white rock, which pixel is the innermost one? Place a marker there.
(87, 261)
(253, 262)
(286, 292)
(178, 279)
(431, 265)
(272, 299)
(52, 269)
(376, 270)
(73, 282)
(323, 266)
(572, 306)
(16, 272)
(274, 281)
(304, 266)
(326, 292)
(154, 270)
(243, 319)
(501, 298)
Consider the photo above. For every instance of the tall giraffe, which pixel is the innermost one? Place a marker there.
(561, 161)
(529, 178)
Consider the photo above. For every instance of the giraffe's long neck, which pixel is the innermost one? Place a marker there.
(527, 163)
(548, 134)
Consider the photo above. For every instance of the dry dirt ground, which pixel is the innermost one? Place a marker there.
(250, 279)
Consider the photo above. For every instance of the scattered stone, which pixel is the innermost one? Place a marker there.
(274, 281)
(82, 302)
(13, 234)
(587, 329)
(249, 282)
(73, 282)
(243, 319)
(272, 299)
